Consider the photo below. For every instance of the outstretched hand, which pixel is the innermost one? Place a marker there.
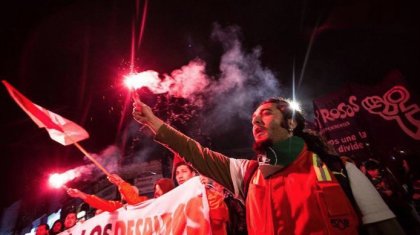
(143, 114)
(72, 192)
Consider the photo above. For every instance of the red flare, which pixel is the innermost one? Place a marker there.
(58, 180)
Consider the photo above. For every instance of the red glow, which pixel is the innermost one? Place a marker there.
(58, 180)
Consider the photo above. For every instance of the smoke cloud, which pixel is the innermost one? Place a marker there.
(243, 82)
(218, 102)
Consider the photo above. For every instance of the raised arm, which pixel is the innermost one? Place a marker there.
(128, 192)
(226, 171)
(95, 201)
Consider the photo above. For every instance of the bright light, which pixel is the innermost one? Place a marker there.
(148, 79)
(58, 180)
(295, 105)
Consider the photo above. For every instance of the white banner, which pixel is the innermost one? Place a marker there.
(184, 210)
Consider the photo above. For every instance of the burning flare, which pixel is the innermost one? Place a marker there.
(149, 79)
(58, 180)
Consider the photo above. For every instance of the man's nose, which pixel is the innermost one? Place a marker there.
(256, 120)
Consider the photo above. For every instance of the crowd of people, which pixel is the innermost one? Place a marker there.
(293, 186)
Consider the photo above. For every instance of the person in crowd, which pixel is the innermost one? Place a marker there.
(394, 194)
(376, 174)
(237, 219)
(42, 229)
(129, 193)
(234, 221)
(183, 172)
(57, 227)
(70, 220)
(163, 186)
(289, 188)
(219, 214)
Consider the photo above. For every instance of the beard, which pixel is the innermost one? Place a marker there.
(260, 147)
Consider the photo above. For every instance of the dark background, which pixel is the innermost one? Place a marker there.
(69, 56)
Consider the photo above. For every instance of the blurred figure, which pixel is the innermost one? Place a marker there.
(57, 227)
(129, 193)
(394, 195)
(416, 194)
(218, 210)
(409, 176)
(163, 186)
(236, 222)
(237, 214)
(42, 229)
(375, 173)
(219, 213)
(70, 220)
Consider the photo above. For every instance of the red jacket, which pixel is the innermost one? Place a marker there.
(126, 189)
(302, 198)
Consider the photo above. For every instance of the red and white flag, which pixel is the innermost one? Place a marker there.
(60, 129)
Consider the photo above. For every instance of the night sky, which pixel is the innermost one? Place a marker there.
(69, 56)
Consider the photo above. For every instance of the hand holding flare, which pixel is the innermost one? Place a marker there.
(143, 114)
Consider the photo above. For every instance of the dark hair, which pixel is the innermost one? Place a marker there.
(182, 163)
(165, 184)
(314, 143)
(72, 211)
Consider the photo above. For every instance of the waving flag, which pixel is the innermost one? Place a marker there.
(60, 129)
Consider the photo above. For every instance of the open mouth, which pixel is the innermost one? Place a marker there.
(258, 130)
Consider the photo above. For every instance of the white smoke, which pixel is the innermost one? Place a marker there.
(242, 83)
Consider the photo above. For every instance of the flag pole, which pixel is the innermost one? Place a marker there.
(91, 158)
(136, 98)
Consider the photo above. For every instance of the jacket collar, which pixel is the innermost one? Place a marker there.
(280, 155)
